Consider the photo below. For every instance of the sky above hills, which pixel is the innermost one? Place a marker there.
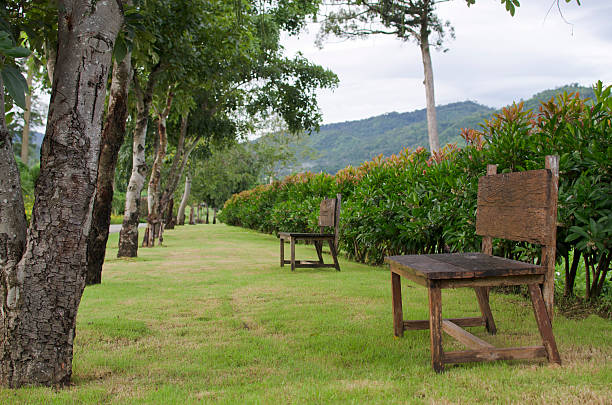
(494, 59)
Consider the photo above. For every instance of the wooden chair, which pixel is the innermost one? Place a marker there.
(520, 206)
(329, 217)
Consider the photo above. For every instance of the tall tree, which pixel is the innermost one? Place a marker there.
(113, 134)
(43, 275)
(408, 20)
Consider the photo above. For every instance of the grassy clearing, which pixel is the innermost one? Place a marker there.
(211, 317)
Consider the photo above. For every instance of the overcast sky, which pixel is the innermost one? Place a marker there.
(494, 59)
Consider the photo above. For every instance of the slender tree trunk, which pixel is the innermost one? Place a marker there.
(169, 221)
(51, 55)
(25, 134)
(178, 164)
(41, 293)
(180, 217)
(154, 219)
(13, 223)
(112, 139)
(206, 213)
(432, 122)
(128, 237)
(191, 217)
(214, 216)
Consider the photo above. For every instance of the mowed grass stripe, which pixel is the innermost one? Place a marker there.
(212, 317)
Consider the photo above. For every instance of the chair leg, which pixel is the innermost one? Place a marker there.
(332, 249)
(396, 294)
(435, 326)
(292, 254)
(282, 252)
(482, 293)
(319, 247)
(544, 325)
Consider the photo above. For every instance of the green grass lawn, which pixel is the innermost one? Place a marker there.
(212, 317)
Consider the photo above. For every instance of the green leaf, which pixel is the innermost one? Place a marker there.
(15, 84)
(16, 52)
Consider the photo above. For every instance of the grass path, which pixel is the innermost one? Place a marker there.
(211, 317)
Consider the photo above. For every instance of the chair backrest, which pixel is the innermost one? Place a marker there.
(329, 213)
(518, 206)
(522, 206)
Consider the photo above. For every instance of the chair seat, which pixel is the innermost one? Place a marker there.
(462, 266)
(305, 235)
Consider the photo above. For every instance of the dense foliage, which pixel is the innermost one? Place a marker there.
(414, 202)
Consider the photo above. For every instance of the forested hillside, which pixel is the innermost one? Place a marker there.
(352, 142)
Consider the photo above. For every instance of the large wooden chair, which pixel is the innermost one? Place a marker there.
(329, 217)
(520, 206)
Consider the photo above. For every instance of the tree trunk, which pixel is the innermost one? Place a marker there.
(180, 217)
(206, 213)
(214, 216)
(112, 139)
(51, 55)
(41, 294)
(191, 216)
(178, 164)
(154, 219)
(25, 134)
(432, 122)
(13, 223)
(128, 237)
(169, 221)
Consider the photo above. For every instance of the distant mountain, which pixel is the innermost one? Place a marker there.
(353, 142)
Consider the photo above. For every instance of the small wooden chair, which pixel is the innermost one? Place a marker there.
(520, 206)
(329, 216)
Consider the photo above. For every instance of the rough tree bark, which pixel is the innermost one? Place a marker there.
(25, 134)
(112, 139)
(154, 219)
(128, 237)
(432, 122)
(180, 217)
(40, 294)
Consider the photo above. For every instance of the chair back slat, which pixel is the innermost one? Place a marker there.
(517, 206)
(327, 213)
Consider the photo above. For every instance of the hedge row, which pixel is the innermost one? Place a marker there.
(415, 202)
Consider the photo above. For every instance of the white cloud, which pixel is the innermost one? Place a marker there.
(494, 60)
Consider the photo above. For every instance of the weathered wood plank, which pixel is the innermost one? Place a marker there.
(282, 252)
(424, 324)
(548, 252)
(482, 294)
(513, 223)
(544, 325)
(492, 281)
(396, 298)
(461, 265)
(327, 212)
(410, 276)
(509, 353)
(518, 189)
(463, 336)
(435, 326)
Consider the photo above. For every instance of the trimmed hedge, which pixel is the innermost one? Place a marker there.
(414, 202)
